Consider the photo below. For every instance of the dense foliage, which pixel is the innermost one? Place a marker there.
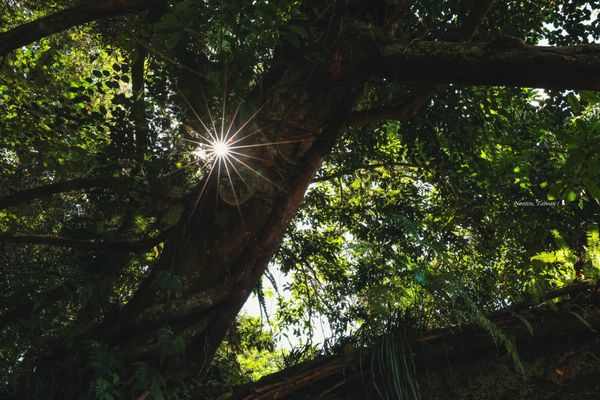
(486, 197)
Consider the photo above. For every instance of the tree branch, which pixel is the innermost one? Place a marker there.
(119, 185)
(370, 167)
(74, 16)
(506, 61)
(107, 247)
(412, 104)
(55, 188)
(399, 112)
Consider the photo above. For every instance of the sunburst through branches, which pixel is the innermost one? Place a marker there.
(227, 154)
(220, 149)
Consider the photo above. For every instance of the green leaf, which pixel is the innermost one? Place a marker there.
(574, 103)
(170, 344)
(593, 189)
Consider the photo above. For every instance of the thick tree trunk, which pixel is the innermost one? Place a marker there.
(223, 247)
(558, 346)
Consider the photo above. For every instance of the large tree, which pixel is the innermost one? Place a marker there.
(154, 154)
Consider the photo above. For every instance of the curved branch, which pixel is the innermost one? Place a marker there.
(107, 247)
(70, 17)
(55, 188)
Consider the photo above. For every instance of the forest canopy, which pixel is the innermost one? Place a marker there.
(365, 170)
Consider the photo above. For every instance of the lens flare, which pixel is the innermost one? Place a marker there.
(220, 149)
(223, 151)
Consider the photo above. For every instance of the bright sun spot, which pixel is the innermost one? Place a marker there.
(220, 149)
(220, 152)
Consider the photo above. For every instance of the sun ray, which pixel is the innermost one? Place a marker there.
(224, 110)
(218, 162)
(187, 165)
(225, 152)
(237, 203)
(244, 146)
(233, 167)
(248, 155)
(256, 172)
(212, 120)
(202, 191)
(237, 109)
(254, 132)
(248, 120)
(185, 99)
(208, 142)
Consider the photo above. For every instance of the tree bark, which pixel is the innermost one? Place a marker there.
(219, 251)
(558, 347)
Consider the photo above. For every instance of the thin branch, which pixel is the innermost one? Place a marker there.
(55, 188)
(475, 19)
(370, 167)
(172, 61)
(106, 247)
(397, 10)
(142, 133)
